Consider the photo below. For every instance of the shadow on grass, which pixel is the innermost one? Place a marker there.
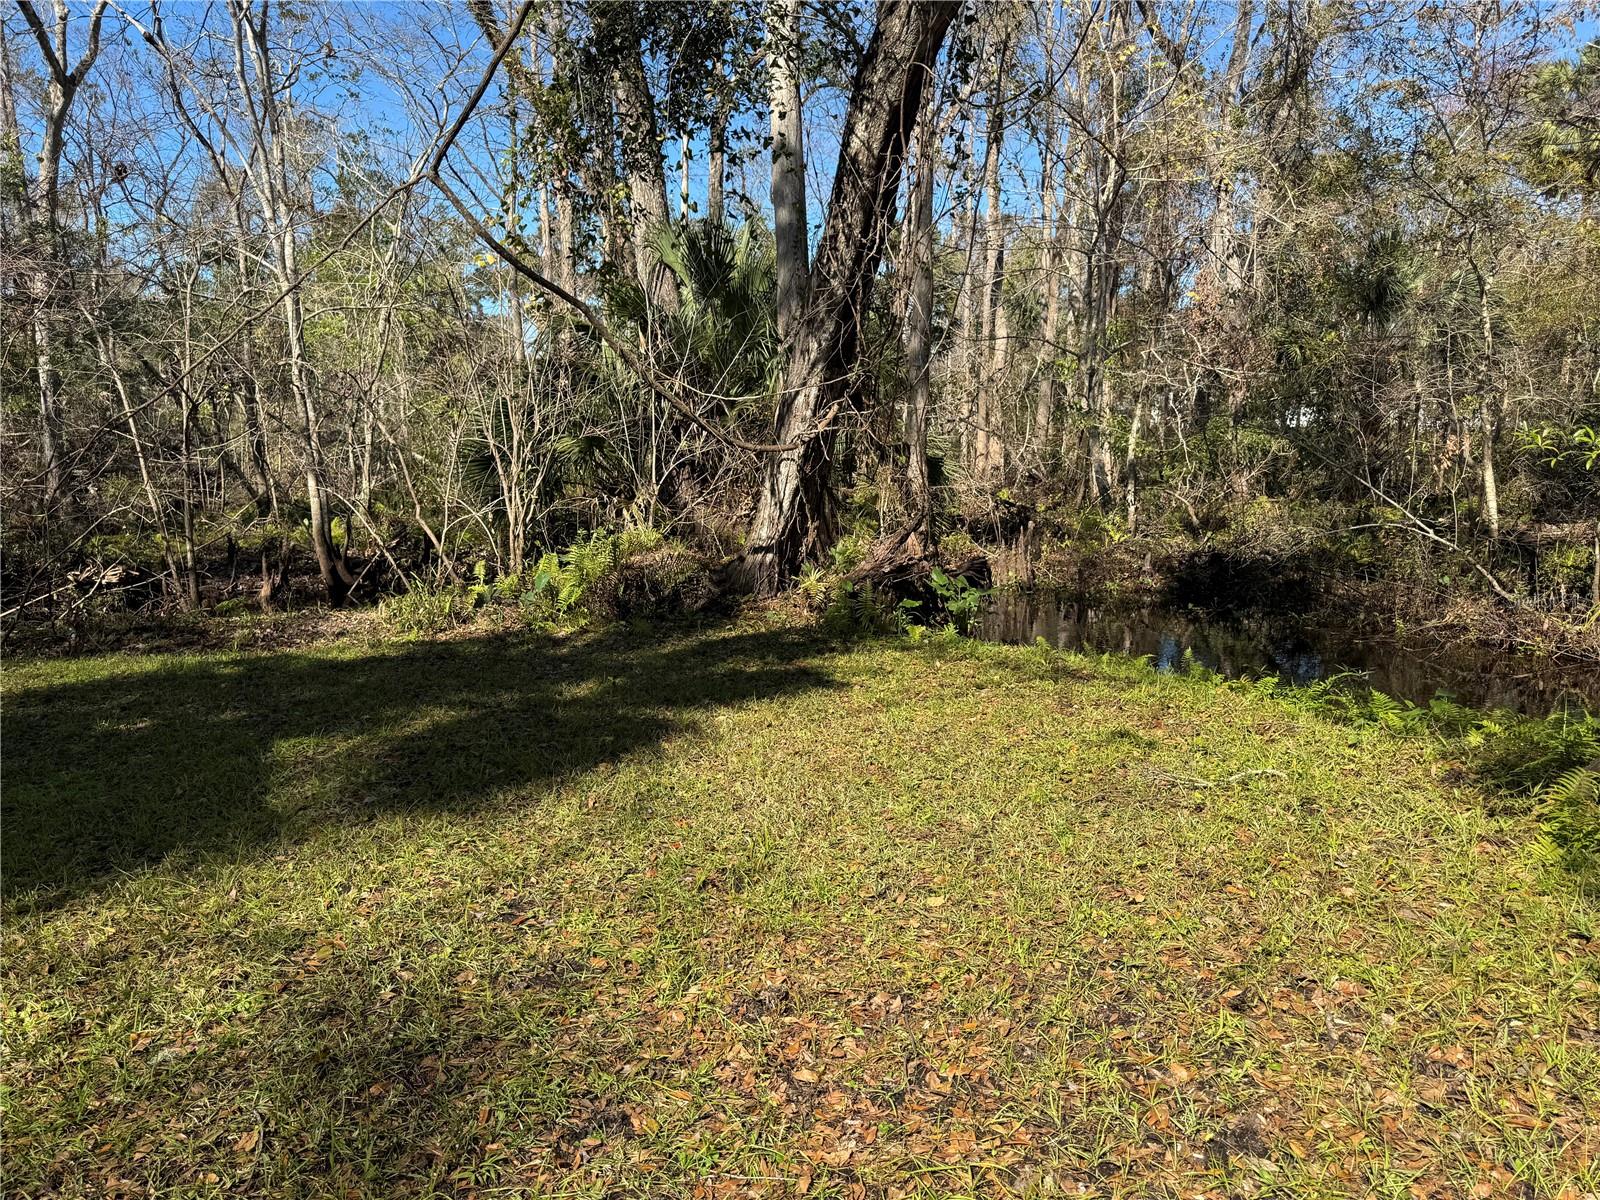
(227, 755)
(370, 1092)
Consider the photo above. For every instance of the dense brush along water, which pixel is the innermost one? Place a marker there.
(1295, 650)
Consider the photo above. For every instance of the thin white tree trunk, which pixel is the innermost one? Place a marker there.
(788, 166)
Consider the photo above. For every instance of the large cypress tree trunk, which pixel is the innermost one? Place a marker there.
(794, 511)
(43, 208)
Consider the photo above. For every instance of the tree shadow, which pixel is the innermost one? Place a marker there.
(115, 772)
(370, 1084)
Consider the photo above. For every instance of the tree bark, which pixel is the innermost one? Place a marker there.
(989, 460)
(1222, 264)
(717, 154)
(683, 176)
(793, 518)
(647, 179)
(967, 311)
(1489, 415)
(43, 204)
(788, 167)
(919, 330)
(274, 185)
(562, 219)
(1050, 256)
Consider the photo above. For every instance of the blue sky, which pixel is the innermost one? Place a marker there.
(380, 105)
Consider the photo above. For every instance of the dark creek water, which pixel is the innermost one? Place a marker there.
(1300, 652)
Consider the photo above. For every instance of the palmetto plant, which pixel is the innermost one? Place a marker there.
(722, 339)
(582, 426)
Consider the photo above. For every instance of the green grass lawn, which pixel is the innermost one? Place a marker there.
(738, 911)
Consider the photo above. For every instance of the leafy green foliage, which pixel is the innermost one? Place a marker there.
(850, 551)
(721, 340)
(557, 590)
(959, 599)
(1579, 445)
(860, 608)
(422, 611)
(1569, 807)
(812, 585)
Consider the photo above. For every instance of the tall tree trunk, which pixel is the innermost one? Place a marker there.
(250, 390)
(187, 467)
(717, 154)
(563, 227)
(336, 577)
(1101, 274)
(989, 460)
(1488, 412)
(793, 517)
(647, 180)
(919, 328)
(1050, 258)
(108, 363)
(63, 78)
(1102, 266)
(683, 176)
(186, 463)
(965, 220)
(967, 317)
(1222, 264)
(788, 167)
(1130, 475)
(274, 185)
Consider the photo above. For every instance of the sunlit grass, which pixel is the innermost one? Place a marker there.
(741, 911)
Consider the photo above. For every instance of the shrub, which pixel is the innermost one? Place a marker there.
(663, 582)
(638, 539)
(1570, 810)
(960, 599)
(1268, 528)
(1553, 766)
(813, 586)
(634, 573)
(559, 588)
(425, 610)
(849, 552)
(863, 609)
(1526, 757)
(957, 548)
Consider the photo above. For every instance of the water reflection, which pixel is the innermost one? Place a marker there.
(1299, 653)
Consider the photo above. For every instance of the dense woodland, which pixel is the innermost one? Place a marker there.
(317, 303)
(551, 477)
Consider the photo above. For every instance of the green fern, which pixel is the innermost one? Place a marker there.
(479, 591)
(812, 585)
(1569, 809)
(1549, 765)
(507, 587)
(636, 540)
